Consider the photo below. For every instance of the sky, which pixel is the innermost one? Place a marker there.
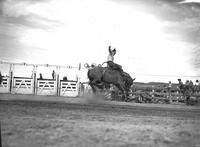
(156, 40)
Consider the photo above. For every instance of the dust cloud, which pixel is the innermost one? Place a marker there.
(91, 98)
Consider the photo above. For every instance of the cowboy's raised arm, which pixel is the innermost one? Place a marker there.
(109, 49)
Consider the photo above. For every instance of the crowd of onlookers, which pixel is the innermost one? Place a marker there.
(189, 86)
(40, 76)
(53, 76)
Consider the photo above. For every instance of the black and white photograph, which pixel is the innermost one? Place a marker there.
(99, 73)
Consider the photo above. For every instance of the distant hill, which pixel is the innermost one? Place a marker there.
(153, 85)
(150, 86)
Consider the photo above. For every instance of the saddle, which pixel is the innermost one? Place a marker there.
(115, 66)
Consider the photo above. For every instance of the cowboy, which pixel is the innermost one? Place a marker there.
(110, 60)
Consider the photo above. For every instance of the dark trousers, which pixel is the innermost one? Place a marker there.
(115, 66)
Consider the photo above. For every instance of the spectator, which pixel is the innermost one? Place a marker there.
(197, 82)
(53, 75)
(187, 93)
(169, 89)
(197, 86)
(169, 85)
(65, 78)
(187, 84)
(181, 86)
(191, 86)
(180, 81)
(191, 83)
(41, 76)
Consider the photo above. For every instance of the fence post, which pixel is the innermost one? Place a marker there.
(79, 80)
(11, 77)
(0, 136)
(34, 79)
(57, 80)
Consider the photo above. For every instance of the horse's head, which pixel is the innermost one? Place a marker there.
(128, 80)
(130, 83)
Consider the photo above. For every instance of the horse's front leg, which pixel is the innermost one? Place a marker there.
(94, 83)
(92, 86)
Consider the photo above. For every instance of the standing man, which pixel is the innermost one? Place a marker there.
(53, 75)
(41, 76)
(169, 90)
(197, 82)
(187, 92)
(180, 86)
(197, 86)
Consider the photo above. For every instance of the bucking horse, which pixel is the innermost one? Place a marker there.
(100, 76)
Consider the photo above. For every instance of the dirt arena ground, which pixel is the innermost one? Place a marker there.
(40, 123)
